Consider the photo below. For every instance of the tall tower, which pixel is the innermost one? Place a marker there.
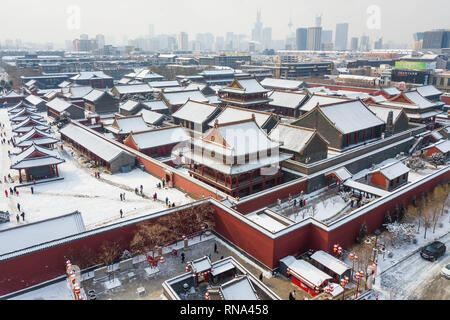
(257, 30)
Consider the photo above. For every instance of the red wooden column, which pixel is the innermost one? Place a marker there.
(57, 172)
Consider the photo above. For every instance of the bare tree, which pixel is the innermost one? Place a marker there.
(109, 252)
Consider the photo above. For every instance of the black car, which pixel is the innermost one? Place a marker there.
(433, 251)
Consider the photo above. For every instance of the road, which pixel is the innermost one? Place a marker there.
(417, 279)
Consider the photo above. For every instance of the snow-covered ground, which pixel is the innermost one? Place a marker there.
(266, 222)
(97, 200)
(57, 291)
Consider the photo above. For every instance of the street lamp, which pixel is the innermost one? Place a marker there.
(344, 282)
(353, 259)
(358, 276)
(329, 292)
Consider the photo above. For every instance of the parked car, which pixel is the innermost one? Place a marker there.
(433, 251)
(445, 271)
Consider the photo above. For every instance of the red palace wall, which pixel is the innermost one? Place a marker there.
(271, 198)
(37, 267)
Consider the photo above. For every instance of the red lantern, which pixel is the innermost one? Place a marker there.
(342, 283)
(331, 289)
(207, 296)
(161, 260)
(356, 258)
(335, 247)
(351, 256)
(339, 250)
(76, 290)
(187, 269)
(346, 280)
(357, 276)
(288, 271)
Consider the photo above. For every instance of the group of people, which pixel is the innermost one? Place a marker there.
(140, 190)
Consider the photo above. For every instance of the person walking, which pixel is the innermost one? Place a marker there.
(121, 213)
(17, 192)
(32, 190)
(121, 199)
(17, 218)
(261, 277)
(209, 256)
(182, 257)
(6, 193)
(18, 206)
(292, 295)
(142, 188)
(167, 200)
(10, 190)
(123, 196)
(23, 215)
(215, 248)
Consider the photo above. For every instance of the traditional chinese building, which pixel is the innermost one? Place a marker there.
(237, 158)
(37, 163)
(245, 93)
(389, 177)
(287, 103)
(196, 115)
(122, 126)
(36, 137)
(101, 102)
(306, 144)
(29, 124)
(343, 125)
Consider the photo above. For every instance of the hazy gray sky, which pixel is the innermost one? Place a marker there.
(56, 20)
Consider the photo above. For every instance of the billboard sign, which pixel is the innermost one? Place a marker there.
(410, 65)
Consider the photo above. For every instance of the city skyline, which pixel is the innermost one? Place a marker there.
(67, 21)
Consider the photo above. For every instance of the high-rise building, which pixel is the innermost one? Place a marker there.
(418, 40)
(354, 44)
(436, 39)
(257, 30)
(314, 39)
(378, 44)
(318, 21)
(100, 41)
(267, 38)
(341, 36)
(301, 38)
(84, 37)
(365, 43)
(151, 31)
(183, 41)
(327, 36)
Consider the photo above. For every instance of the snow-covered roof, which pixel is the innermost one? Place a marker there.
(321, 100)
(247, 86)
(32, 234)
(145, 74)
(443, 146)
(416, 98)
(391, 91)
(379, 98)
(246, 137)
(393, 170)
(306, 272)
(366, 188)
(131, 123)
(351, 116)
(164, 84)
(29, 135)
(286, 99)
(58, 104)
(214, 99)
(221, 267)
(233, 114)
(100, 147)
(281, 84)
(196, 112)
(382, 112)
(151, 117)
(94, 95)
(12, 94)
(33, 100)
(160, 137)
(181, 97)
(239, 288)
(266, 221)
(29, 122)
(28, 159)
(76, 92)
(332, 263)
(217, 72)
(292, 138)
(134, 88)
(342, 174)
(129, 105)
(201, 265)
(156, 105)
(428, 91)
(437, 135)
(88, 75)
